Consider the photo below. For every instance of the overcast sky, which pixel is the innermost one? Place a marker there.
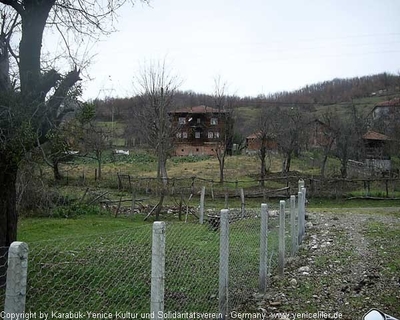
(256, 46)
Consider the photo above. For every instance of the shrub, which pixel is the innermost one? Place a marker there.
(76, 209)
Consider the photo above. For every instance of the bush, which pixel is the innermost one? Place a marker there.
(75, 210)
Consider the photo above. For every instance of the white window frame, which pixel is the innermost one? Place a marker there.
(214, 121)
(184, 135)
(182, 120)
(197, 135)
(210, 135)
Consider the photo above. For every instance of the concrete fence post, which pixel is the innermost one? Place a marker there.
(158, 269)
(300, 185)
(293, 230)
(202, 196)
(263, 249)
(303, 207)
(17, 274)
(224, 264)
(281, 262)
(300, 216)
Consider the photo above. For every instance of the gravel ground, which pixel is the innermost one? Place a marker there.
(349, 262)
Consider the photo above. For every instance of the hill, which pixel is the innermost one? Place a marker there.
(336, 95)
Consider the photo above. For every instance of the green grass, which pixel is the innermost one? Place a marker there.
(96, 262)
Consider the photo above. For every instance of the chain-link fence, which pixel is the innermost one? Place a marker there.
(192, 261)
(112, 272)
(104, 273)
(3, 273)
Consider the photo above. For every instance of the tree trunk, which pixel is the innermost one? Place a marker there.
(98, 156)
(159, 206)
(221, 160)
(8, 211)
(323, 165)
(286, 162)
(163, 171)
(56, 171)
(263, 166)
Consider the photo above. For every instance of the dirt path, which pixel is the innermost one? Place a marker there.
(348, 263)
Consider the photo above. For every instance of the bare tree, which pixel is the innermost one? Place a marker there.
(31, 104)
(329, 128)
(156, 87)
(290, 133)
(224, 104)
(95, 141)
(265, 134)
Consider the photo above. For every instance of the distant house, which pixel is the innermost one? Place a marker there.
(319, 134)
(199, 130)
(386, 109)
(253, 143)
(376, 150)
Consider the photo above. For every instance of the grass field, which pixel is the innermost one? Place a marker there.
(102, 263)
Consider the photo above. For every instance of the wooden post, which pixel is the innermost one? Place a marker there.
(133, 202)
(203, 193)
(236, 186)
(119, 182)
(17, 273)
(119, 206)
(157, 269)
(192, 185)
(281, 262)
(242, 202)
(130, 184)
(180, 207)
(224, 264)
(212, 190)
(263, 249)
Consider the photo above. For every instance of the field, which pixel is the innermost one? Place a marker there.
(86, 258)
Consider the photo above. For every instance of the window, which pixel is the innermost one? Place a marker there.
(216, 135)
(184, 135)
(179, 135)
(214, 121)
(197, 135)
(182, 120)
(198, 120)
(210, 135)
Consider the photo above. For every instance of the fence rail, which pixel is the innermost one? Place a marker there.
(171, 267)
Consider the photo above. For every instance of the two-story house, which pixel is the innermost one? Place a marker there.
(199, 130)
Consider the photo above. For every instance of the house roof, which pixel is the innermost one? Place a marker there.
(372, 135)
(255, 135)
(389, 103)
(198, 109)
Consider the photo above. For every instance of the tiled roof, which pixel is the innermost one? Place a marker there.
(198, 109)
(372, 135)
